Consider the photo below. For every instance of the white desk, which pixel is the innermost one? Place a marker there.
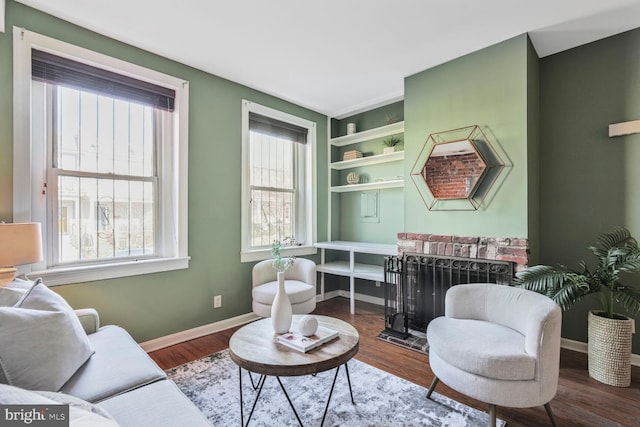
(351, 269)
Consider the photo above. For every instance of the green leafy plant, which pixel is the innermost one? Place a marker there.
(281, 263)
(617, 253)
(392, 141)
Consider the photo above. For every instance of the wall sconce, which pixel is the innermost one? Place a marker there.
(20, 243)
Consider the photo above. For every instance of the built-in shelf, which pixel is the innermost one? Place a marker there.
(360, 271)
(393, 183)
(367, 135)
(369, 160)
(350, 268)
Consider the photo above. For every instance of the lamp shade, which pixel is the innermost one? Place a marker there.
(20, 243)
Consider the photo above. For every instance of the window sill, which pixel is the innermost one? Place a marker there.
(261, 254)
(69, 275)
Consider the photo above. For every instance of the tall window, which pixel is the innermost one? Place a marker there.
(278, 194)
(108, 161)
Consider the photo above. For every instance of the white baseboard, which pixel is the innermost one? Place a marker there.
(200, 331)
(582, 347)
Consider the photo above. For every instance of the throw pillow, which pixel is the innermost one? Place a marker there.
(42, 343)
(81, 412)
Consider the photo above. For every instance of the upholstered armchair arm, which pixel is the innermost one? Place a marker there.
(263, 272)
(466, 301)
(302, 269)
(89, 319)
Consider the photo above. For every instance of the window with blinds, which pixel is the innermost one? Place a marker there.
(278, 187)
(273, 178)
(102, 181)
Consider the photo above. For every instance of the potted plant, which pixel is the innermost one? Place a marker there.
(609, 333)
(390, 144)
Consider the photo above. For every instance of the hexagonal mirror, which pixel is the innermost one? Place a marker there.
(457, 169)
(453, 170)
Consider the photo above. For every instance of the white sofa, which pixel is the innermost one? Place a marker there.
(120, 378)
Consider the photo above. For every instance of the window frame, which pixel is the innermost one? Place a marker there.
(306, 193)
(30, 205)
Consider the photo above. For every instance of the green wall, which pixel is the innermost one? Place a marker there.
(590, 183)
(488, 88)
(155, 305)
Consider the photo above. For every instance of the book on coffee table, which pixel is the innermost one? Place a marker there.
(299, 342)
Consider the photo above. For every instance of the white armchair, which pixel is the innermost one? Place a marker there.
(498, 344)
(300, 285)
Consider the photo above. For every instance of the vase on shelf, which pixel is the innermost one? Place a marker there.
(388, 150)
(281, 312)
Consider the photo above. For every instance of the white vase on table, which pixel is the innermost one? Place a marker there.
(281, 312)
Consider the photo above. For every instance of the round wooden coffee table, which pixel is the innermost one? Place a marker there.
(254, 348)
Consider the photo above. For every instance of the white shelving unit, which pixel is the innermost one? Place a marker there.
(369, 160)
(352, 269)
(367, 135)
(392, 183)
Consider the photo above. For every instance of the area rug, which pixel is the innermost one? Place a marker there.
(416, 340)
(381, 399)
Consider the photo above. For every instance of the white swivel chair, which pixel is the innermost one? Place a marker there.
(498, 344)
(300, 285)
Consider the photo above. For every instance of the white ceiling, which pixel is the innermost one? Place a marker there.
(339, 56)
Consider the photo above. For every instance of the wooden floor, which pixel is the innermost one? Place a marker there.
(580, 401)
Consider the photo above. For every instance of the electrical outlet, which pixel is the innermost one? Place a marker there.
(217, 301)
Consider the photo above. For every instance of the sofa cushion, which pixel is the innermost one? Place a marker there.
(498, 351)
(296, 291)
(81, 413)
(160, 404)
(118, 365)
(42, 343)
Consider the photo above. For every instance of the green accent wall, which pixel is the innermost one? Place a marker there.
(488, 88)
(590, 183)
(159, 304)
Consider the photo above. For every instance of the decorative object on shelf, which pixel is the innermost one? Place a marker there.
(390, 144)
(390, 119)
(352, 155)
(609, 334)
(281, 311)
(458, 169)
(351, 128)
(308, 325)
(20, 243)
(353, 178)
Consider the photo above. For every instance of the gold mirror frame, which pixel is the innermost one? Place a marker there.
(458, 169)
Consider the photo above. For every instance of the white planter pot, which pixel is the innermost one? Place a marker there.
(281, 312)
(610, 349)
(388, 150)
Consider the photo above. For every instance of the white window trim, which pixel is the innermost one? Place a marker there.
(310, 180)
(2, 13)
(24, 186)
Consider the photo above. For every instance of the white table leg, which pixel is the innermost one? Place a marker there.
(352, 284)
